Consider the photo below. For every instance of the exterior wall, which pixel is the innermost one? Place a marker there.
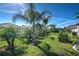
(75, 29)
(78, 31)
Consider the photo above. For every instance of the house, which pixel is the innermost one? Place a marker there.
(75, 29)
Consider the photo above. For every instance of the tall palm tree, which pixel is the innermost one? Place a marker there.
(45, 22)
(32, 16)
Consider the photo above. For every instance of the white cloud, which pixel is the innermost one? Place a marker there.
(67, 23)
(7, 11)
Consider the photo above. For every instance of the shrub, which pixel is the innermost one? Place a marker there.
(63, 36)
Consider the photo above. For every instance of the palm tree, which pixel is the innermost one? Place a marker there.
(45, 22)
(53, 28)
(9, 35)
(32, 16)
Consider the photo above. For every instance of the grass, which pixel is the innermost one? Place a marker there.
(58, 47)
(51, 44)
(34, 51)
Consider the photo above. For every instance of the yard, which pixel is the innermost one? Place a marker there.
(50, 46)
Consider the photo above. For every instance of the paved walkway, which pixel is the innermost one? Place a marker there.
(75, 48)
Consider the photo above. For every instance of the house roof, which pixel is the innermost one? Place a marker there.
(74, 26)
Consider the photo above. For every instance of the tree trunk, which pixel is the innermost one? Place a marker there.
(12, 48)
(8, 44)
(33, 34)
(45, 32)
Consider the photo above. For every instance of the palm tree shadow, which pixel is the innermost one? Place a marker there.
(42, 49)
(47, 52)
(52, 54)
(2, 53)
(17, 52)
(72, 53)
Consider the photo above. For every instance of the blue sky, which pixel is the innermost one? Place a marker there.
(63, 14)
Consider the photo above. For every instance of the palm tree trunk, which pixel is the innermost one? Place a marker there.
(33, 35)
(8, 44)
(12, 45)
(13, 41)
(45, 31)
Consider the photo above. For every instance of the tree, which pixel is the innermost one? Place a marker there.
(9, 35)
(63, 36)
(53, 28)
(32, 16)
(45, 22)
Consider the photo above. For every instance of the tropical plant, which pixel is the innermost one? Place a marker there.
(53, 28)
(32, 16)
(9, 35)
(45, 22)
(63, 36)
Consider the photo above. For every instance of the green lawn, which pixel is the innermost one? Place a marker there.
(49, 46)
(58, 47)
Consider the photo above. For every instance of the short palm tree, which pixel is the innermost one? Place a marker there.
(53, 28)
(45, 22)
(9, 35)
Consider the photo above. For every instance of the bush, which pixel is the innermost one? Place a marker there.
(34, 51)
(63, 36)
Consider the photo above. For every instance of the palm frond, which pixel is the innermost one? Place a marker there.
(29, 13)
(77, 17)
(45, 19)
(31, 6)
(76, 12)
(32, 15)
(17, 16)
(46, 12)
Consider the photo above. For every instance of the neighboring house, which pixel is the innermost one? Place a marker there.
(75, 29)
